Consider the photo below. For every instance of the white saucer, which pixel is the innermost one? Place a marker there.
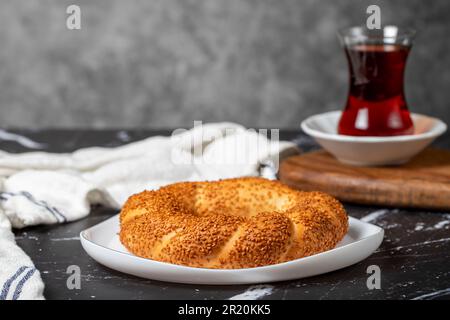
(372, 151)
(102, 243)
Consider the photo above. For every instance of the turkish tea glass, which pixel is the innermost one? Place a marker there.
(376, 104)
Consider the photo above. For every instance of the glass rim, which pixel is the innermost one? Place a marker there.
(361, 32)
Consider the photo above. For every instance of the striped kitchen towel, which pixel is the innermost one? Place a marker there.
(16, 269)
(48, 188)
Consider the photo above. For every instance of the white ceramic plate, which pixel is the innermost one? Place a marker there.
(102, 243)
(372, 151)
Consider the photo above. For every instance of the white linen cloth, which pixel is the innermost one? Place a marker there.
(48, 188)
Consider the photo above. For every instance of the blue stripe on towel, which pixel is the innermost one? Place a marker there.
(55, 212)
(7, 284)
(45, 205)
(22, 282)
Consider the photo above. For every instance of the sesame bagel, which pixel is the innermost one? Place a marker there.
(230, 224)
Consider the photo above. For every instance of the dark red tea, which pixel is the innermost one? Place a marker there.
(376, 103)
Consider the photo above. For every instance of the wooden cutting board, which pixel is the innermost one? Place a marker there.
(424, 182)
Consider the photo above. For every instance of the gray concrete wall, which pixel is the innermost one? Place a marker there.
(157, 63)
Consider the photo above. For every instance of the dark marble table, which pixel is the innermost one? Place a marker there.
(414, 258)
